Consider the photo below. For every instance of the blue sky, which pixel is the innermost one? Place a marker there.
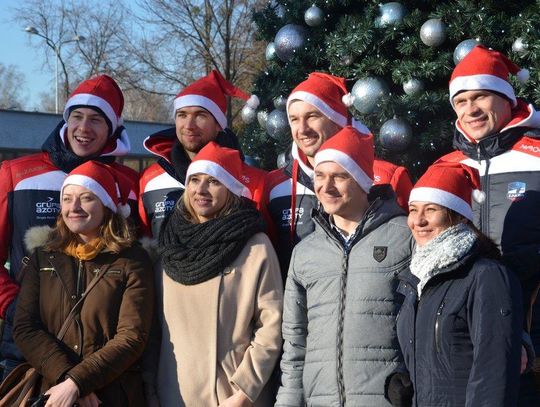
(15, 50)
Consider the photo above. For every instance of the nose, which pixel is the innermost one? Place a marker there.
(74, 205)
(84, 124)
(471, 108)
(303, 126)
(202, 188)
(418, 218)
(190, 121)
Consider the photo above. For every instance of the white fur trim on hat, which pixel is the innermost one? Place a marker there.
(202, 101)
(443, 198)
(220, 173)
(482, 82)
(320, 104)
(92, 185)
(348, 164)
(89, 99)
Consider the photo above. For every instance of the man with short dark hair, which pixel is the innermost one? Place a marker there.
(30, 185)
(199, 114)
(340, 302)
(316, 112)
(494, 134)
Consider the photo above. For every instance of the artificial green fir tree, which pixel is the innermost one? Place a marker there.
(407, 67)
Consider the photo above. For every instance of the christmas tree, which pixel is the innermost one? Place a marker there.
(398, 58)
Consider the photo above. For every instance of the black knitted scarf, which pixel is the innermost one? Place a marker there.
(194, 253)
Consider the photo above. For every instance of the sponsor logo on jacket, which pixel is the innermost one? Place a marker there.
(48, 206)
(166, 205)
(516, 190)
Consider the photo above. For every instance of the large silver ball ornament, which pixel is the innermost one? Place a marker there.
(280, 102)
(395, 135)
(289, 39)
(281, 160)
(314, 16)
(277, 125)
(262, 116)
(248, 114)
(519, 46)
(270, 52)
(413, 87)
(367, 94)
(463, 48)
(391, 13)
(433, 32)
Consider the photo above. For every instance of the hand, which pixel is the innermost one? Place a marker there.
(238, 399)
(400, 390)
(523, 360)
(63, 394)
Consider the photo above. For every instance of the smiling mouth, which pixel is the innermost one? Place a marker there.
(82, 140)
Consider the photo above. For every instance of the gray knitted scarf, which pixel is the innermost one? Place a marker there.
(444, 250)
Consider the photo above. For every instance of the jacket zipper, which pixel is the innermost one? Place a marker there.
(343, 288)
(437, 328)
(484, 184)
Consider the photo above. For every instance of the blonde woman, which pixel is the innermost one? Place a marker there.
(222, 292)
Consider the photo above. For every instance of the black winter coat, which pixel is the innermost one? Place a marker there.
(461, 340)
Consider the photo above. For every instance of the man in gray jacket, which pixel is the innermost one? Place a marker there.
(340, 302)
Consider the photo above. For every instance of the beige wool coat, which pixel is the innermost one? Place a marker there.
(223, 334)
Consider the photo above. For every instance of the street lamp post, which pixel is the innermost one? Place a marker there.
(56, 47)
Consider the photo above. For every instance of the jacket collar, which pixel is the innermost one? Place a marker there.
(383, 207)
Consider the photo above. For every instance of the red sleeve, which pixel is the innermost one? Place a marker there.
(8, 288)
(145, 226)
(402, 185)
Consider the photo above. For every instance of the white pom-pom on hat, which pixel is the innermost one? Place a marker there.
(253, 102)
(348, 99)
(523, 75)
(124, 210)
(478, 196)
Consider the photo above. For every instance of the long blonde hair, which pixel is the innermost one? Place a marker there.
(115, 231)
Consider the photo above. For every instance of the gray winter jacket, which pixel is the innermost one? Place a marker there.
(340, 309)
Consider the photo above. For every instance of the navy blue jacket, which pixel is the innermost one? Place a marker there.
(461, 341)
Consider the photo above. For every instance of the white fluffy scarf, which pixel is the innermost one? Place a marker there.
(444, 250)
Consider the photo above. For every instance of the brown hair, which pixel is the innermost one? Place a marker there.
(232, 204)
(116, 232)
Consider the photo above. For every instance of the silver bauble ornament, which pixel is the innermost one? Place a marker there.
(395, 135)
(413, 87)
(314, 16)
(520, 46)
(262, 116)
(433, 32)
(280, 102)
(367, 94)
(277, 125)
(248, 114)
(281, 160)
(463, 48)
(347, 60)
(391, 13)
(289, 39)
(270, 52)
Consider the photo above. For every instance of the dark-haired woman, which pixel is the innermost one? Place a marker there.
(460, 325)
(96, 362)
(222, 292)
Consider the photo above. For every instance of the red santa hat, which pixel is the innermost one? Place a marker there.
(210, 93)
(486, 69)
(222, 163)
(449, 184)
(101, 92)
(353, 151)
(328, 93)
(108, 184)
